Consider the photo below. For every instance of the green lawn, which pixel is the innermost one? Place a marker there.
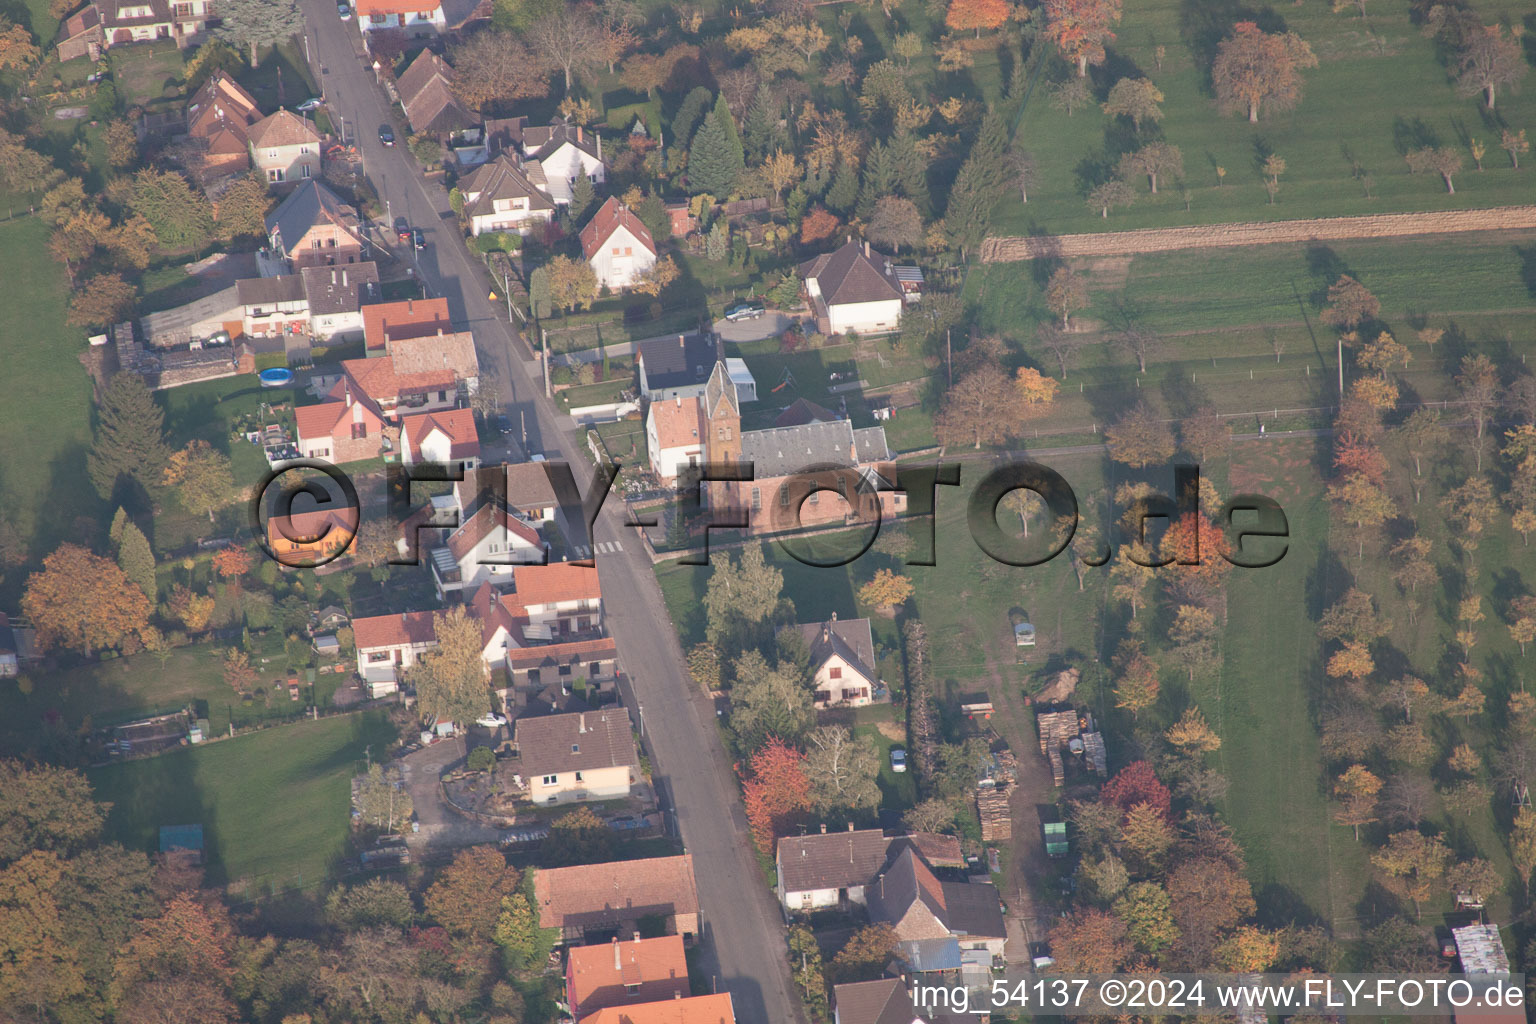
(148, 74)
(1379, 91)
(47, 413)
(273, 804)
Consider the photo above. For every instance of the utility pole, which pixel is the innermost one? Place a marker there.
(1341, 370)
(544, 358)
(949, 358)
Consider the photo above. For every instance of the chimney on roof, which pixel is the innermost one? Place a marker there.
(823, 828)
(616, 964)
(636, 935)
(850, 829)
(834, 616)
(680, 342)
(866, 249)
(581, 723)
(409, 304)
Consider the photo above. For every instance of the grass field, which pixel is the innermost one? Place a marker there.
(1380, 90)
(273, 804)
(46, 415)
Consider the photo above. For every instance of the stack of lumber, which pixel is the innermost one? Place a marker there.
(996, 819)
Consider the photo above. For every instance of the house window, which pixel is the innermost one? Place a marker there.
(823, 696)
(835, 672)
(359, 431)
(550, 780)
(377, 656)
(377, 19)
(631, 987)
(757, 499)
(575, 748)
(306, 170)
(579, 778)
(615, 250)
(814, 496)
(628, 251)
(594, 669)
(784, 497)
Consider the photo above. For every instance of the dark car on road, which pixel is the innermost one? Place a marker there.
(746, 310)
(418, 238)
(402, 230)
(386, 135)
(503, 425)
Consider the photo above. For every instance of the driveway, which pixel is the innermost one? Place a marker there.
(743, 951)
(770, 325)
(440, 829)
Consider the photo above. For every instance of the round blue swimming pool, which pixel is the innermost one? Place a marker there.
(275, 377)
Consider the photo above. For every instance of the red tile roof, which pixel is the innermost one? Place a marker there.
(397, 630)
(555, 654)
(379, 380)
(317, 421)
(611, 216)
(367, 8)
(559, 581)
(597, 977)
(408, 319)
(715, 1009)
(679, 423)
(457, 424)
(463, 540)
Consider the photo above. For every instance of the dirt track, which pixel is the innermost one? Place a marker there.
(1210, 236)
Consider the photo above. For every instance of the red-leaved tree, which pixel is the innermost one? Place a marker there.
(1080, 28)
(1135, 784)
(776, 792)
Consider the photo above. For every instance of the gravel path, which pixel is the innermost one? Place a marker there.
(1210, 236)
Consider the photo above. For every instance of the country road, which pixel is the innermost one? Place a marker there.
(1007, 249)
(743, 949)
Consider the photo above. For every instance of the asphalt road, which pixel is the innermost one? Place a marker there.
(744, 947)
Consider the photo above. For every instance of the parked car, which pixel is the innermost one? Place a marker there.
(745, 310)
(418, 238)
(503, 424)
(344, 12)
(402, 230)
(386, 135)
(898, 759)
(491, 721)
(312, 104)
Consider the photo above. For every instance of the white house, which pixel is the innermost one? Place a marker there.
(446, 436)
(561, 151)
(853, 289)
(674, 436)
(500, 196)
(828, 870)
(843, 661)
(562, 598)
(617, 245)
(273, 306)
(284, 147)
(588, 755)
(336, 297)
(389, 645)
(413, 17)
(485, 549)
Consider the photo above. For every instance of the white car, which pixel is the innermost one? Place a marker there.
(898, 759)
(313, 103)
(492, 720)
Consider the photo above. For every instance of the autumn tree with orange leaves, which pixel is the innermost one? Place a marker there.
(775, 793)
(1258, 71)
(1080, 28)
(232, 562)
(965, 15)
(83, 601)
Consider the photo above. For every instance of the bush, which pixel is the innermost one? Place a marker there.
(498, 241)
(481, 759)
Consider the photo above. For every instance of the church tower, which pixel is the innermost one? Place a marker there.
(722, 410)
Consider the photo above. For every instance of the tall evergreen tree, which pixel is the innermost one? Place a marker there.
(722, 116)
(880, 179)
(762, 132)
(971, 199)
(711, 166)
(119, 520)
(912, 171)
(689, 113)
(844, 192)
(136, 559)
(130, 440)
(582, 195)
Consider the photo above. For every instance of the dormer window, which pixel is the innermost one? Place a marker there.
(575, 748)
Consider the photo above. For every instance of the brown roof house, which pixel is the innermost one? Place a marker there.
(828, 870)
(81, 35)
(883, 1001)
(625, 972)
(589, 755)
(221, 114)
(710, 1009)
(138, 21)
(285, 148)
(595, 898)
(425, 89)
(914, 902)
(337, 296)
(853, 289)
(843, 660)
(501, 196)
(314, 228)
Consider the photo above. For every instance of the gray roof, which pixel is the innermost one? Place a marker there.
(583, 741)
(781, 451)
(963, 908)
(267, 291)
(341, 289)
(426, 93)
(832, 860)
(680, 361)
(721, 390)
(502, 179)
(541, 141)
(847, 637)
(308, 205)
(853, 273)
(923, 955)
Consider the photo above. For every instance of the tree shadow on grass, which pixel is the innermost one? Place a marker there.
(1203, 24)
